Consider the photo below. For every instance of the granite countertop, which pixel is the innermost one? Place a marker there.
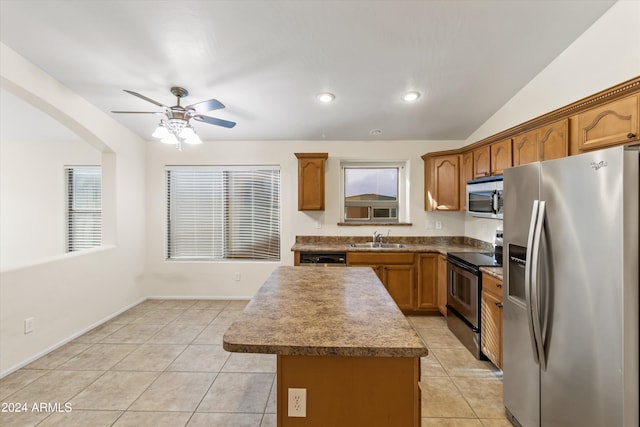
(440, 245)
(493, 271)
(317, 311)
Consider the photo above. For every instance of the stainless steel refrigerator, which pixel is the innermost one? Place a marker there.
(570, 319)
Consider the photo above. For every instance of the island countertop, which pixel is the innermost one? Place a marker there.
(317, 311)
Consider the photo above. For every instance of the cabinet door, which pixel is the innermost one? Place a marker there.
(399, 281)
(553, 140)
(500, 156)
(427, 282)
(311, 181)
(491, 331)
(482, 162)
(442, 284)
(446, 183)
(525, 148)
(466, 174)
(429, 196)
(612, 123)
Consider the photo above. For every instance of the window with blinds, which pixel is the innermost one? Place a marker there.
(84, 207)
(216, 213)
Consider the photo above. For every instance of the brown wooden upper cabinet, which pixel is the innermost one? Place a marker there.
(311, 181)
(482, 162)
(466, 174)
(500, 156)
(545, 143)
(442, 175)
(614, 123)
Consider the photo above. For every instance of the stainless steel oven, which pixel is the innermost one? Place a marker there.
(463, 291)
(464, 287)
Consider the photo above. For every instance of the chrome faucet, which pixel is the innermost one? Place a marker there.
(377, 236)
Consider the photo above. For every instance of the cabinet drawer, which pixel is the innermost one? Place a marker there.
(380, 258)
(491, 284)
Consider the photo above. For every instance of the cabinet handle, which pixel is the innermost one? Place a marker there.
(631, 135)
(498, 285)
(498, 304)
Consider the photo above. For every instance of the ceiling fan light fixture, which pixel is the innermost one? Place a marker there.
(170, 139)
(188, 134)
(326, 97)
(160, 132)
(411, 96)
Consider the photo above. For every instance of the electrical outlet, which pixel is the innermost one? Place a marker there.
(237, 276)
(29, 325)
(438, 225)
(297, 400)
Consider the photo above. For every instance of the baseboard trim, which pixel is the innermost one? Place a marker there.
(68, 339)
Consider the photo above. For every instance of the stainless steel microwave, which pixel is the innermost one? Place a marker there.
(484, 197)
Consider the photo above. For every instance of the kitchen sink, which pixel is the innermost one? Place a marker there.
(378, 245)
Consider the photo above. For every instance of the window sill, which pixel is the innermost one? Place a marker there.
(386, 224)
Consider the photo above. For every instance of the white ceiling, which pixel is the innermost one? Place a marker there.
(267, 60)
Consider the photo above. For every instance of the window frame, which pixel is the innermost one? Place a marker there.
(75, 244)
(225, 232)
(402, 200)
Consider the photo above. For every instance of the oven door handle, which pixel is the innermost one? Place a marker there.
(462, 266)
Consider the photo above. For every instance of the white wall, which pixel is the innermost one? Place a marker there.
(607, 54)
(72, 292)
(216, 279)
(33, 196)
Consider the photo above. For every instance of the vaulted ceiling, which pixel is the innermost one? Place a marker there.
(267, 60)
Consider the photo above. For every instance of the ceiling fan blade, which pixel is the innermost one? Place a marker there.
(145, 98)
(136, 112)
(214, 121)
(204, 106)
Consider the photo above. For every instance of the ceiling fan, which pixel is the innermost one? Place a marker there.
(174, 127)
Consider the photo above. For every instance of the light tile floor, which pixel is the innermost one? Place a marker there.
(161, 363)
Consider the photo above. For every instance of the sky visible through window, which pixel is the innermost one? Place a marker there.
(378, 181)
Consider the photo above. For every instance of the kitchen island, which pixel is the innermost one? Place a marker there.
(337, 334)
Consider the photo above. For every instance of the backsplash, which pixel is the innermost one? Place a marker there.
(417, 240)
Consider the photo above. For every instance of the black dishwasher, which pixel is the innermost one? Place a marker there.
(327, 259)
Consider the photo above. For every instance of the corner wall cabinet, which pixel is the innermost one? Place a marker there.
(442, 175)
(311, 168)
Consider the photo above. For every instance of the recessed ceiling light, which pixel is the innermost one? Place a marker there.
(375, 132)
(411, 96)
(326, 97)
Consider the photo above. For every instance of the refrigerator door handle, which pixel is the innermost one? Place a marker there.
(527, 279)
(535, 282)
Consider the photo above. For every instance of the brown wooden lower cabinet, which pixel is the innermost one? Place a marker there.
(442, 284)
(411, 278)
(427, 282)
(491, 312)
(351, 391)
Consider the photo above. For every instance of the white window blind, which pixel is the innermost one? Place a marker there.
(218, 213)
(84, 207)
